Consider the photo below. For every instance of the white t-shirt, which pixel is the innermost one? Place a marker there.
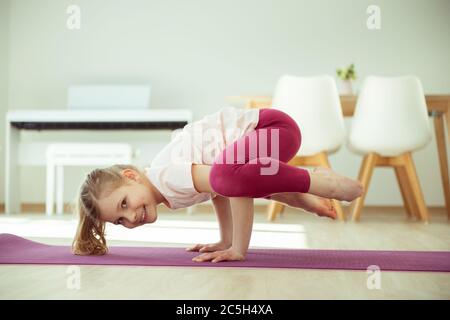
(199, 143)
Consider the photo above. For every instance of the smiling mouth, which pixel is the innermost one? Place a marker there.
(144, 214)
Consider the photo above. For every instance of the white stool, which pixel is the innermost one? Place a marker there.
(78, 154)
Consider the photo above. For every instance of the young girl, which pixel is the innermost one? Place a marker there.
(230, 157)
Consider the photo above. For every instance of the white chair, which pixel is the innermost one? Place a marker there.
(79, 154)
(313, 102)
(389, 123)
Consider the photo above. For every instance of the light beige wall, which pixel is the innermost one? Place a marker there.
(195, 53)
(4, 66)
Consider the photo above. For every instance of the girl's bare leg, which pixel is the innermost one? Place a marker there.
(326, 183)
(309, 202)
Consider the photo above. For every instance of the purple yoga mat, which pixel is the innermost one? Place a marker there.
(16, 250)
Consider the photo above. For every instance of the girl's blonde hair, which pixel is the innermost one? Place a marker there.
(90, 236)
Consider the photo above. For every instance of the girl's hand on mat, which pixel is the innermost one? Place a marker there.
(217, 256)
(211, 247)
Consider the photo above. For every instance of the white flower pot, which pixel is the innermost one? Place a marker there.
(345, 87)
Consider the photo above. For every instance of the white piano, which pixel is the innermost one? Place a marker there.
(77, 119)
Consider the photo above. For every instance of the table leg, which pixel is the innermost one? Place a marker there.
(447, 120)
(12, 172)
(443, 160)
(50, 187)
(59, 189)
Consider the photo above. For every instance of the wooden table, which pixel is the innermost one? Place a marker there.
(438, 107)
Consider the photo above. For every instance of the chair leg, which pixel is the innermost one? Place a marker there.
(59, 189)
(49, 199)
(274, 209)
(336, 203)
(339, 210)
(406, 192)
(365, 173)
(415, 187)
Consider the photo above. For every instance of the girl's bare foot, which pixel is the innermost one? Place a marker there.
(309, 202)
(326, 183)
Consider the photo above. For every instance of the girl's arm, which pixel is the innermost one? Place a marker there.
(223, 212)
(200, 177)
(242, 213)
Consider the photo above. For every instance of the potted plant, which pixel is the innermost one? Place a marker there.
(346, 75)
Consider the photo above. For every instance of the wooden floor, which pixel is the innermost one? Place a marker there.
(379, 228)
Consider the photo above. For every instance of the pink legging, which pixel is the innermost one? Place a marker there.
(242, 175)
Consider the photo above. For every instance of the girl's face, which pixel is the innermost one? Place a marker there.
(130, 205)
